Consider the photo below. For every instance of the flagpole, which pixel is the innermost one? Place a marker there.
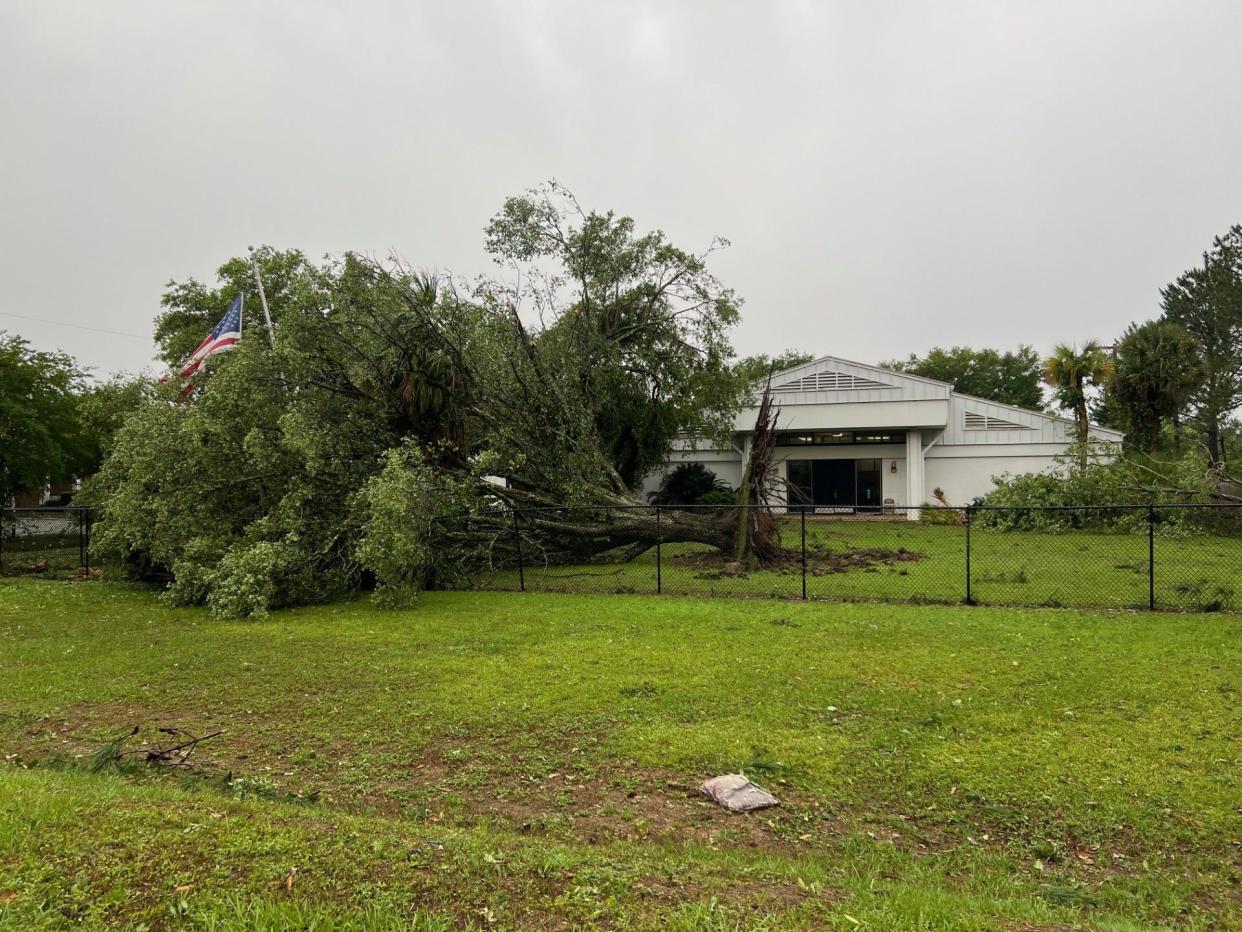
(271, 331)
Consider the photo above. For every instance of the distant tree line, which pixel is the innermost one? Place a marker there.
(56, 424)
(1166, 382)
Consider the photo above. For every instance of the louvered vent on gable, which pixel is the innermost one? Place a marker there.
(830, 382)
(991, 422)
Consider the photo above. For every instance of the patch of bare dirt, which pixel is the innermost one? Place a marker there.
(819, 562)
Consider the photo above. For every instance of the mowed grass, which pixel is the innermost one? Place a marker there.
(504, 760)
(1072, 568)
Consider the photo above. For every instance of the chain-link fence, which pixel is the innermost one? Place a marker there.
(1184, 557)
(45, 540)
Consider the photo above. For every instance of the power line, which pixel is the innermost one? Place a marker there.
(62, 323)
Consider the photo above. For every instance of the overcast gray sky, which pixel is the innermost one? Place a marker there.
(892, 175)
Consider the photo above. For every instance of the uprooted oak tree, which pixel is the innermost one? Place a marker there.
(350, 450)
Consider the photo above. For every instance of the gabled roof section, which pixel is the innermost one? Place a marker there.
(832, 379)
(977, 421)
(975, 416)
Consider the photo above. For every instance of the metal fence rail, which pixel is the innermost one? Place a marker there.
(1177, 557)
(34, 540)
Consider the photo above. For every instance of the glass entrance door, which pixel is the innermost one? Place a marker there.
(833, 484)
(845, 484)
(870, 490)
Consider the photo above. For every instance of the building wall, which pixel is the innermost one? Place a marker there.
(966, 473)
(726, 464)
(840, 414)
(963, 472)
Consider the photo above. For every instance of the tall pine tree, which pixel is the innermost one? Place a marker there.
(1207, 303)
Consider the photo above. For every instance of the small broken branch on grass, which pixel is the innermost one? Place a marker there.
(110, 754)
(178, 754)
(175, 756)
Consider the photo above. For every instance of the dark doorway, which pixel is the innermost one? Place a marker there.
(833, 483)
(869, 488)
(852, 484)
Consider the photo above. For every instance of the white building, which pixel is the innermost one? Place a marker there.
(858, 436)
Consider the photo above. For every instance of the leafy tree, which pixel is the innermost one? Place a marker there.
(688, 484)
(41, 437)
(191, 309)
(103, 408)
(245, 494)
(637, 323)
(1207, 303)
(1157, 369)
(1009, 378)
(390, 400)
(1071, 372)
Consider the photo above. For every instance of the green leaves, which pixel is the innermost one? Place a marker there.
(42, 438)
(1009, 378)
(1207, 303)
(325, 462)
(1158, 367)
(632, 334)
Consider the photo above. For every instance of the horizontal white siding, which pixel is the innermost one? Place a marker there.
(727, 466)
(963, 479)
(877, 414)
(1040, 427)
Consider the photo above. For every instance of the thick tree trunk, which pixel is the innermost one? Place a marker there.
(1213, 445)
(637, 530)
(1083, 427)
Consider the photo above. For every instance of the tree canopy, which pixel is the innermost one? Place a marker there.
(1010, 378)
(41, 436)
(1071, 371)
(1157, 369)
(639, 324)
(392, 399)
(1206, 302)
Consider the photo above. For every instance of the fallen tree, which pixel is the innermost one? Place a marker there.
(355, 448)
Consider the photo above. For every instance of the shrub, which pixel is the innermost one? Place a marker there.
(725, 496)
(408, 510)
(939, 514)
(1087, 498)
(688, 484)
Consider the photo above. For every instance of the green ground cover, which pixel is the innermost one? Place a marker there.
(916, 563)
(519, 760)
(1072, 568)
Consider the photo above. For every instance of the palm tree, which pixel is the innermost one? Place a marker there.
(1070, 371)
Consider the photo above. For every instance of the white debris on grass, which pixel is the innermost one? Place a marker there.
(737, 794)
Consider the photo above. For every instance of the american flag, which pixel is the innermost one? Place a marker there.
(223, 337)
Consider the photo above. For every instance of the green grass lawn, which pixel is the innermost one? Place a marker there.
(510, 760)
(1074, 568)
(1085, 569)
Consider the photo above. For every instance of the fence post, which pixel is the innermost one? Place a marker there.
(86, 540)
(803, 553)
(517, 537)
(969, 597)
(1151, 557)
(659, 539)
